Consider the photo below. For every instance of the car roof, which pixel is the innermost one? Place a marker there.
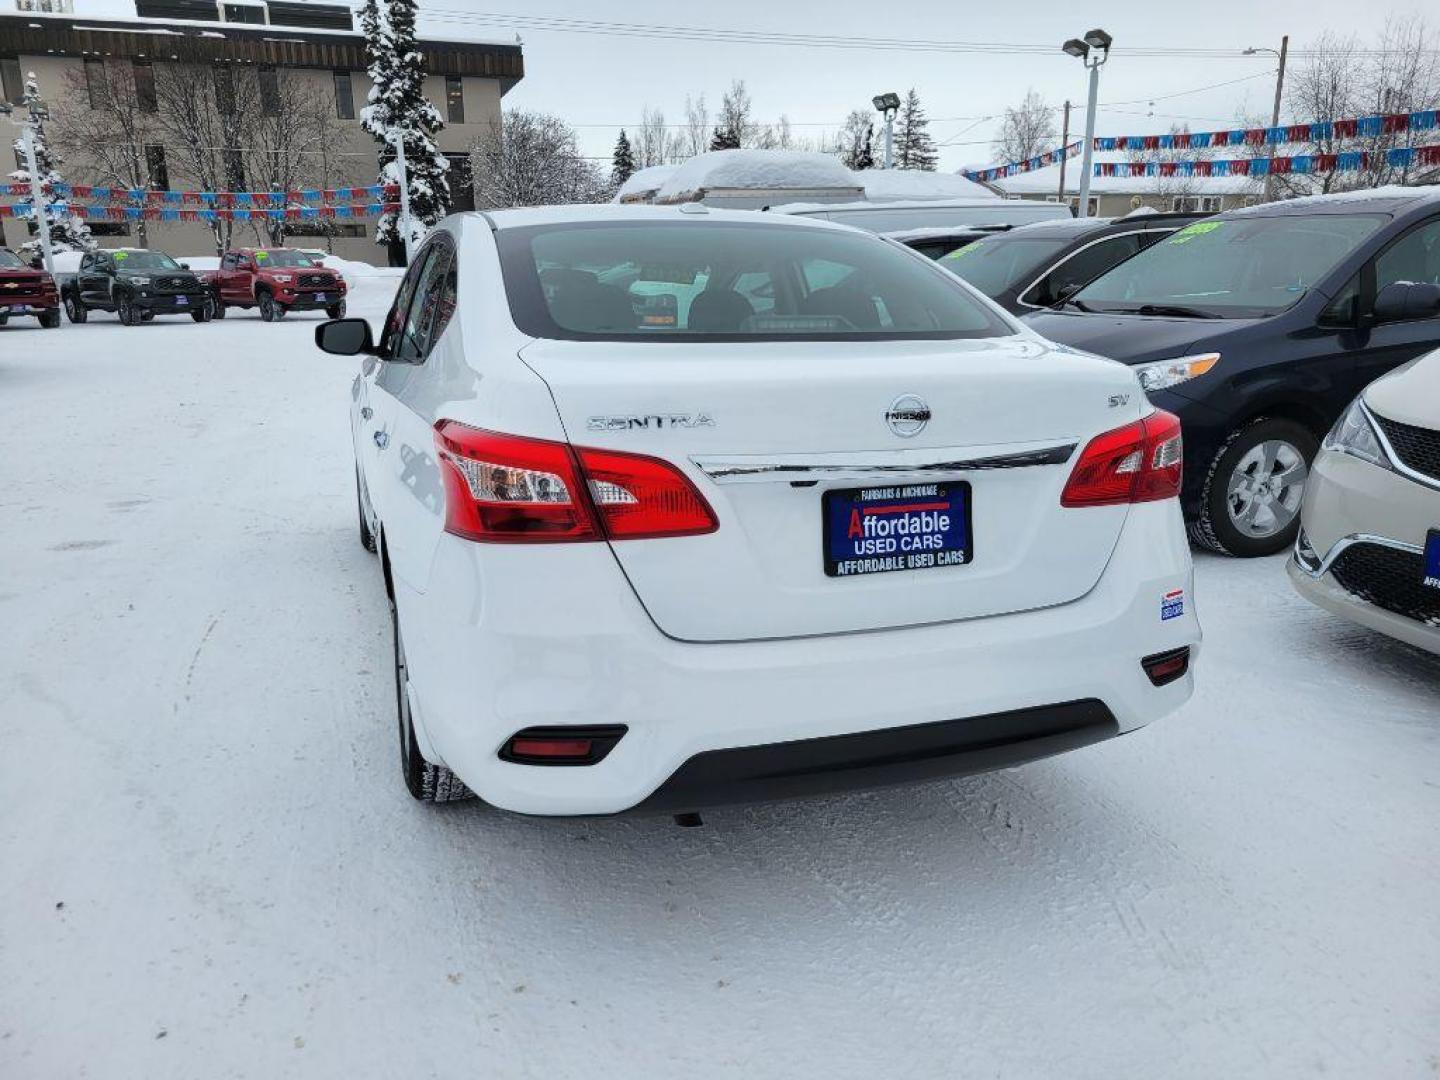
(1062, 228)
(525, 217)
(1386, 200)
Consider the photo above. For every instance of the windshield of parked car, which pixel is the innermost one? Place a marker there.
(697, 280)
(1241, 267)
(10, 261)
(283, 257)
(144, 260)
(996, 263)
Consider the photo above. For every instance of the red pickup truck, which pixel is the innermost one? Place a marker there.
(277, 281)
(25, 291)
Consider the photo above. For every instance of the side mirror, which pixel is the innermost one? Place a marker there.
(184, 266)
(1401, 301)
(37, 263)
(345, 337)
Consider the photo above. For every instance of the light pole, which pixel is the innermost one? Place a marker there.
(1092, 50)
(36, 111)
(889, 105)
(1275, 113)
(404, 222)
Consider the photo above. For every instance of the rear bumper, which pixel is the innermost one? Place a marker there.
(873, 759)
(507, 637)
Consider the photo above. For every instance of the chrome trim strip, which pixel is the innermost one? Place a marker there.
(1338, 548)
(751, 470)
(1390, 455)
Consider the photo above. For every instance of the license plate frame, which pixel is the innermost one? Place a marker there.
(320, 298)
(1430, 560)
(956, 540)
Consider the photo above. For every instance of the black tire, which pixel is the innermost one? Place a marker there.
(50, 320)
(1250, 505)
(75, 309)
(126, 312)
(217, 308)
(4, 317)
(336, 311)
(367, 537)
(147, 316)
(203, 313)
(270, 311)
(425, 781)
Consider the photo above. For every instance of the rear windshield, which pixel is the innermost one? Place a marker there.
(10, 261)
(145, 260)
(709, 281)
(997, 263)
(1242, 267)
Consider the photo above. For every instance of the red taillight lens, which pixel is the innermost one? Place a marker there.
(640, 497)
(504, 488)
(1140, 462)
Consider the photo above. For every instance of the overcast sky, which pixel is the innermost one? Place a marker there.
(601, 82)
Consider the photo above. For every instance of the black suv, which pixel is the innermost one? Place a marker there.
(1258, 327)
(136, 284)
(1036, 266)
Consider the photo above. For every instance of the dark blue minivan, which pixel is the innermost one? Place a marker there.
(1257, 327)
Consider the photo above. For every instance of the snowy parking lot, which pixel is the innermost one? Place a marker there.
(212, 869)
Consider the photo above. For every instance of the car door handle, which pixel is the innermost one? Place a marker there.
(382, 439)
(366, 412)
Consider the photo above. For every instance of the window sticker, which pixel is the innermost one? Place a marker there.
(121, 256)
(966, 250)
(261, 256)
(1200, 228)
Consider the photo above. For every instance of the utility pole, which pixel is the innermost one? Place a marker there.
(1275, 112)
(404, 222)
(1064, 142)
(37, 196)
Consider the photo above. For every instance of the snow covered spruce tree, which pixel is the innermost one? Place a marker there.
(68, 232)
(914, 147)
(398, 109)
(622, 165)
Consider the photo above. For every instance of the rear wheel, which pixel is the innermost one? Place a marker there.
(217, 308)
(75, 311)
(50, 320)
(336, 311)
(1251, 502)
(426, 782)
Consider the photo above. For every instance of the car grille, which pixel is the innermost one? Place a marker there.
(1417, 448)
(1389, 579)
(12, 287)
(175, 284)
(316, 281)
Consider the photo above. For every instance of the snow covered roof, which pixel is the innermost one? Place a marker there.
(757, 169)
(642, 181)
(1046, 181)
(890, 185)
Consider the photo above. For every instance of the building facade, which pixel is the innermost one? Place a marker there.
(1114, 196)
(264, 53)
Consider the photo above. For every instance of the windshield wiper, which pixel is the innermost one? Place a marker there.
(1172, 309)
(1078, 305)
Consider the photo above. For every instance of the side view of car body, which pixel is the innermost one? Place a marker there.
(1369, 545)
(276, 281)
(1036, 266)
(136, 284)
(669, 555)
(1257, 327)
(25, 291)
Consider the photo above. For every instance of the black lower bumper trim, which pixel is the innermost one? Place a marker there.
(871, 759)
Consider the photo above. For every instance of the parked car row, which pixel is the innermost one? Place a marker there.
(137, 284)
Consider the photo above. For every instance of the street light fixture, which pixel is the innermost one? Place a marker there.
(1092, 50)
(889, 105)
(1279, 54)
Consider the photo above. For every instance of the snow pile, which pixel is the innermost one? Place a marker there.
(644, 181)
(755, 169)
(890, 185)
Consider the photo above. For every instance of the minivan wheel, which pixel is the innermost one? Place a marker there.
(1251, 502)
(426, 782)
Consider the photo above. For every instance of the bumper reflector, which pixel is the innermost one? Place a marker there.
(1164, 668)
(561, 745)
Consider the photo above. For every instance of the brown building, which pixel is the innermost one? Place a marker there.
(268, 48)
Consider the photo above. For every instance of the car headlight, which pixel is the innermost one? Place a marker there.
(1163, 374)
(139, 281)
(1353, 434)
(284, 277)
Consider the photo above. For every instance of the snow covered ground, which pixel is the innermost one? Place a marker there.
(209, 866)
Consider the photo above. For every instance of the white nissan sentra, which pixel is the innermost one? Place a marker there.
(679, 507)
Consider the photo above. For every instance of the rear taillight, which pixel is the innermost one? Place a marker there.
(508, 489)
(1140, 462)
